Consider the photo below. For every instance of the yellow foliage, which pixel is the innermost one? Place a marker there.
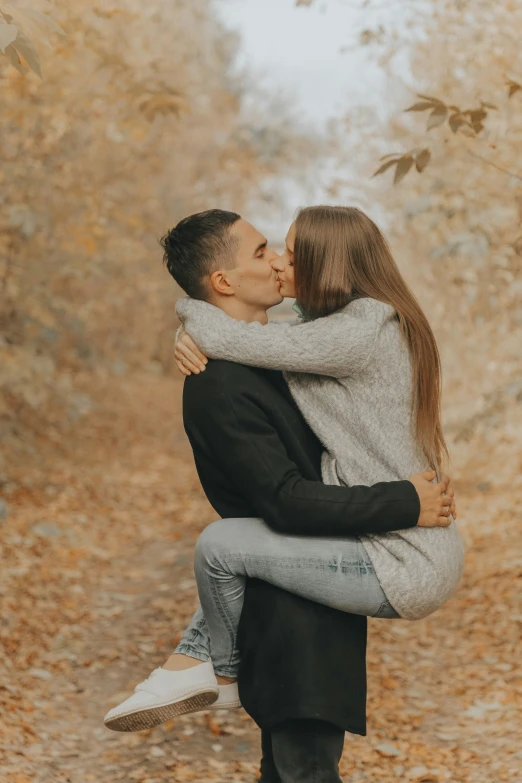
(138, 121)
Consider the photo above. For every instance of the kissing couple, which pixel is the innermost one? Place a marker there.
(319, 443)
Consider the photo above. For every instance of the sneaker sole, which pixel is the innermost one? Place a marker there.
(235, 705)
(154, 716)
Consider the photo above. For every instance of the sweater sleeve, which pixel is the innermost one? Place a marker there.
(337, 345)
(249, 450)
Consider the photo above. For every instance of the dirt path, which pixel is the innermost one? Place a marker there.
(98, 585)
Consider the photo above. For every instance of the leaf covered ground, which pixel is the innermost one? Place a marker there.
(99, 524)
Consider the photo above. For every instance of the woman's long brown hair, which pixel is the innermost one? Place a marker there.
(341, 255)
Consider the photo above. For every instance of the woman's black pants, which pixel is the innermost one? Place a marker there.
(301, 751)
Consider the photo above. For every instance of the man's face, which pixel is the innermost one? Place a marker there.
(253, 279)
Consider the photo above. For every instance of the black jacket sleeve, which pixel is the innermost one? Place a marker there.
(248, 448)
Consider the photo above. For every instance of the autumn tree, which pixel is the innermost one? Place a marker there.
(22, 31)
(448, 133)
(466, 208)
(140, 119)
(457, 225)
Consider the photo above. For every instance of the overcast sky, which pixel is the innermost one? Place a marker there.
(299, 50)
(314, 57)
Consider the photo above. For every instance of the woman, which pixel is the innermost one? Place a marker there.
(363, 366)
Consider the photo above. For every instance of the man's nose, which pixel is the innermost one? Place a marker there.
(277, 262)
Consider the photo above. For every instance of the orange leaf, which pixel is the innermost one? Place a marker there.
(431, 99)
(437, 117)
(385, 167)
(403, 166)
(422, 106)
(422, 159)
(390, 683)
(214, 727)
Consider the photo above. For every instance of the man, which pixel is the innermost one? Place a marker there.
(256, 457)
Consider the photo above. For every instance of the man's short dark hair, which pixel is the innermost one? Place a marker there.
(197, 246)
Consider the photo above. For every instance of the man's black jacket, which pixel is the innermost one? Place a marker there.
(257, 457)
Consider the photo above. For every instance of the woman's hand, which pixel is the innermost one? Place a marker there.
(188, 356)
(437, 500)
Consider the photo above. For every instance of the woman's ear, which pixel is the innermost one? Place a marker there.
(220, 284)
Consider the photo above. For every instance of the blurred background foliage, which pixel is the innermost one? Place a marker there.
(141, 118)
(456, 227)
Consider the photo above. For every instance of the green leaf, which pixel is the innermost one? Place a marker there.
(422, 159)
(403, 166)
(8, 33)
(386, 166)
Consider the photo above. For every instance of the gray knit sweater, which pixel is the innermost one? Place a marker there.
(350, 375)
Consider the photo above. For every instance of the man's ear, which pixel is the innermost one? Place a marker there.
(220, 284)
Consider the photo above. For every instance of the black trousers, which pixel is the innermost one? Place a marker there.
(301, 751)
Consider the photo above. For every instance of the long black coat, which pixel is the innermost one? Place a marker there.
(257, 457)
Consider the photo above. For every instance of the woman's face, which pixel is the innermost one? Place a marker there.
(284, 265)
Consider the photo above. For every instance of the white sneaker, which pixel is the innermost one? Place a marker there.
(228, 698)
(163, 695)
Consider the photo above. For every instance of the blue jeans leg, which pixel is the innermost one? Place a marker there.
(195, 641)
(334, 572)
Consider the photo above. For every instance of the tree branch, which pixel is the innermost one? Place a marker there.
(495, 165)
